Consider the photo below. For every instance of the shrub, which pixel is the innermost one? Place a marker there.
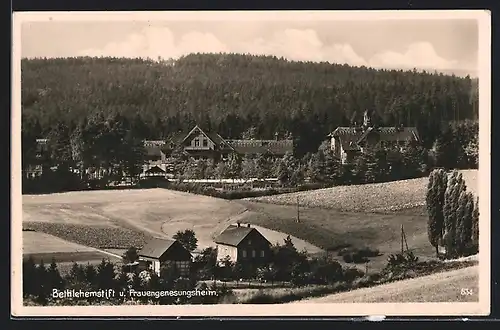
(350, 274)
(362, 255)
(405, 260)
(363, 282)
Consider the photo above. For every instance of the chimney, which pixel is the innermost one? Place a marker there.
(276, 136)
(238, 224)
(248, 225)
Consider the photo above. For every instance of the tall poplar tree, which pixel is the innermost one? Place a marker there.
(434, 201)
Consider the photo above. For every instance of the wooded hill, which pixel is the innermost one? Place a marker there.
(239, 95)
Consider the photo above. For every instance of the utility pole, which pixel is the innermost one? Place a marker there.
(404, 242)
(298, 212)
(402, 248)
(404, 237)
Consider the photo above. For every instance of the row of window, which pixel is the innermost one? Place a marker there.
(254, 253)
(197, 142)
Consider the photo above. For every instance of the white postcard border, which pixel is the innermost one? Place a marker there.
(303, 310)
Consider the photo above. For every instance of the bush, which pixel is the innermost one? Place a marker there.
(350, 274)
(363, 282)
(405, 260)
(231, 192)
(353, 255)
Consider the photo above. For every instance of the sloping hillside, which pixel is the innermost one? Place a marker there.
(440, 287)
(378, 197)
(120, 218)
(232, 92)
(41, 246)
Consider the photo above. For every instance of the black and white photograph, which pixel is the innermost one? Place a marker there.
(279, 163)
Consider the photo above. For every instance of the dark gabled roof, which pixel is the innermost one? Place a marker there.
(349, 131)
(219, 141)
(350, 137)
(234, 235)
(275, 147)
(176, 138)
(155, 169)
(402, 133)
(154, 147)
(156, 247)
(195, 128)
(365, 134)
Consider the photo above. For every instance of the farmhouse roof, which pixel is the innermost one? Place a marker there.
(234, 235)
(274, 147)
(155, 147)
(156, 247)
(155, 169)
(351, 137)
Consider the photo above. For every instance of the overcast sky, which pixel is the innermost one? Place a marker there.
(443, 45)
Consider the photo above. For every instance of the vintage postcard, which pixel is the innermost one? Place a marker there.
(251, 163)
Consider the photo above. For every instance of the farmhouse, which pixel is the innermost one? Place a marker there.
(196, 144)
(243, 244)
(159, 251)
(201, 144)
(349, 142)
(36, 169)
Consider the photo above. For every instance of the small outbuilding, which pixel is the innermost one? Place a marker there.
(159, 251)
(243, 244)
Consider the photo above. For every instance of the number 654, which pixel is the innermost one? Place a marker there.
(466, 292)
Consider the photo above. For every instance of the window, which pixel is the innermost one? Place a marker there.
(262, 254)
(182, 266)
(196, 142)
(205, 142)
(253, 253)
(244, 253)
(249, 242)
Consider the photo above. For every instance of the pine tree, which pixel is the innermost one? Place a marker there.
(54, 277)
(76, 274)
(43, 286)
(248, 167)
(105, 275)
(285, 168)
(29, 276)
(263, 167)
(316, 167)
(90, 274)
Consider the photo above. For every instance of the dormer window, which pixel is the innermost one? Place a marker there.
(196, 142)
(205, 142)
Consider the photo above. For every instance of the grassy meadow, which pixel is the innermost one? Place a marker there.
(439, 287)
(364, 216)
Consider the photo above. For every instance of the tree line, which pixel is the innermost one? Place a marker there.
(114, 148)
(286, 264)
(97, 111)
(236, 94)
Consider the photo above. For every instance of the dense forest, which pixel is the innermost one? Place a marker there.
(96, 112)
(233, 94)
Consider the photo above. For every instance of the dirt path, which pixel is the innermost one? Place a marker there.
(440, 287)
